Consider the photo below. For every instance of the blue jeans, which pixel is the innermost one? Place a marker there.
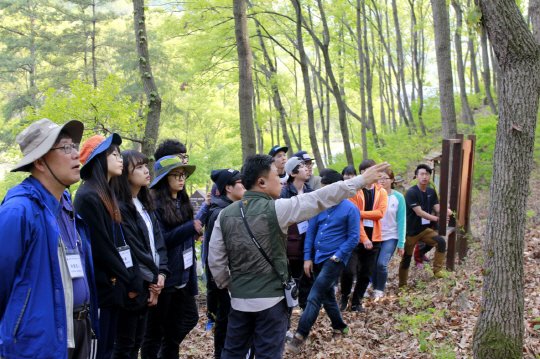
(326, 274)
(380, 274)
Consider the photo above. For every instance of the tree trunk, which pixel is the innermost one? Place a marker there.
(417, 68)
(486, 76)
(307, 86)
(441, 26)
(499, 328)
(401, 68)
(94, 64)
(245, 88)
(466, 113)
(257, 104)
(151, 130)
(361, 79)
(534, 15)
(369, 79)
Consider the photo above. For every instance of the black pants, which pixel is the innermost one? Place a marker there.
(211, 296)
(83, 338)
(130, 333)
(108, 318)
(265, 330)
(223, 304)
(362, 263)
(303, 282)
(169, 323)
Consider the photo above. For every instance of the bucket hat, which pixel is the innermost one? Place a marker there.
(167, 164)
(38, 138)
(94, 146)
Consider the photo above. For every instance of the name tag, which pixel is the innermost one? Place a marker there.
(368, 223)
(74, 263)
(425, 221)
(125, 253)
(188, 258)
(385, 225)
(302, 226)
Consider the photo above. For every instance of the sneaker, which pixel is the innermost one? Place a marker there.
(209, 325)
(377, 293)
(289, 335)
(419, 265)
(425, 258)
(295, 344)
(343, 332)
(358, 308)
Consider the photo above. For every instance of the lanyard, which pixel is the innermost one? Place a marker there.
(422, 199)
(121, 231)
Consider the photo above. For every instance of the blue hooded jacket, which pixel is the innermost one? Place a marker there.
(32, 306)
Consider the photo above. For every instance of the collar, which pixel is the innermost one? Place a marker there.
(45, 196)
(256, 194)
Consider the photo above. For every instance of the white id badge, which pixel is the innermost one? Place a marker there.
(385, 225)
(125, 253)
(74, 263)
(425, 221)
(188, 258)
(302, 226)
(368, 223)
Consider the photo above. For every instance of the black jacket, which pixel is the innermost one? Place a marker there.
(216, 208)
(113, 280)
(138, 239)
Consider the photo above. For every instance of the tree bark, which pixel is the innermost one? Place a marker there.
(466, 113)
(441, 26)
(151, 130)
(486, 76)
(369, 79)
(417, 67)
(245, 89)
(307, 86)
(499, 328)
(534, 15)
(94, 61)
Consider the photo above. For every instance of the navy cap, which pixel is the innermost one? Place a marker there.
(277, 149)
(222, 177)
(303, 155)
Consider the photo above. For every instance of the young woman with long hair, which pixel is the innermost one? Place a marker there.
(393, 232)
(143, 235)
(116, 270)
(176, 315)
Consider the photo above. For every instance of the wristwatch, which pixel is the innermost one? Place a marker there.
(335, 259)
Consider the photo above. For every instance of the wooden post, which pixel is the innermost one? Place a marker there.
(454, 197)
(464, 211)
(443, 186)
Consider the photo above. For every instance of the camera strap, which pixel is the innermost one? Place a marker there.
(283, 281)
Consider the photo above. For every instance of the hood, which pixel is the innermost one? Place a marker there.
(220, 203)
(34, 190)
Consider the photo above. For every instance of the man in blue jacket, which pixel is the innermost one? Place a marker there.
(48, 302)
(331, 237)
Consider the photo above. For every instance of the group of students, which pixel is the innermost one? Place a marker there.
(113, 272)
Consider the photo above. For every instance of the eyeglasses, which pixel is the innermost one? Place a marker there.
(68, 147)
(310, 164)
(117, 155)
(179, 176)
(382, 179)
(184, 157)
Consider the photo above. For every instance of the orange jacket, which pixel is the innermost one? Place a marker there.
(380, 202)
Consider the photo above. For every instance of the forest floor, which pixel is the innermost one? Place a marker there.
(434, 318)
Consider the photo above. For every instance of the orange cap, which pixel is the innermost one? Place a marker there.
(88, 147)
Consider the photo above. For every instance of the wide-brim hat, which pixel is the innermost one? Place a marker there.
(398, 179)
(38, 138)
(94, 146)
(168, 163)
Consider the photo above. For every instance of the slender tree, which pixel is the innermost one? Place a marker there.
(486, 74)
(499, 328)
(245, 89)
(441, 25)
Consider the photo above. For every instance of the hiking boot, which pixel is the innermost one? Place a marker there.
(358, 308)
(343, 332)
(295, 344)
(377, 293)
(440, 274)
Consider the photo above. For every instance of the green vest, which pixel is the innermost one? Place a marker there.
(252, 276)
